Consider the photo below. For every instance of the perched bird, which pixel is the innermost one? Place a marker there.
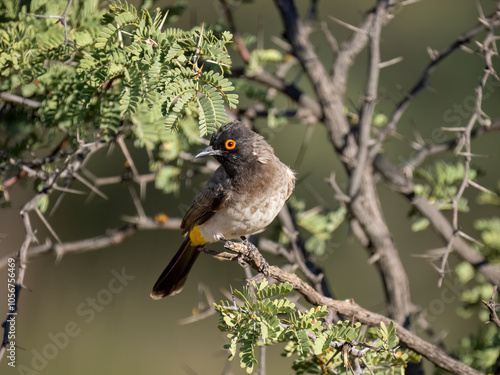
(242, 197)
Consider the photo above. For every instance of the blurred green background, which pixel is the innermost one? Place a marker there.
(129, 333)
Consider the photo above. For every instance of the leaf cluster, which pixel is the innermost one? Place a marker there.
(122, 70)
(267, 317)
(482, 348)
(321, 226)
(440, 185)
(163, 69)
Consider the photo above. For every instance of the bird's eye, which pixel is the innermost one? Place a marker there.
(230, 144)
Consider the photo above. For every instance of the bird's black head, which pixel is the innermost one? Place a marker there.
(234, 146)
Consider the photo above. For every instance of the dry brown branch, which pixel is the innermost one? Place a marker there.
(461, 248)
(489, 49)
(426, 151)
(398, 178)
(370, 99)
(366, 209)
(72, 162)
(312, 272)
(359, 314)
(466, 141)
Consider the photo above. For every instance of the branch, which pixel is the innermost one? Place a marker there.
(466, 142)
(312, 272)
(493, 20)
(330, 93)
(466, 252)
(306, 102)
(426, 151)
(22, 257)
(371, 92)
(396, 180)
(366, 210)
(111, 237)
(242, 48)
(351, 309)
(63, 18)
(8, 97)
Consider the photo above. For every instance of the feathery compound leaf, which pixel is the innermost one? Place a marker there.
(117, 8)
(303, 341)
(273, 290)
(133, 57)
(247, 354)
(306, 334)
(177, 112)
(223, 85)
(322, 343)
(108, 34)
(212, 113)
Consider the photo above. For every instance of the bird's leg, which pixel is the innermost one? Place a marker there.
(236, 247)
(249, 253)
(257, 256)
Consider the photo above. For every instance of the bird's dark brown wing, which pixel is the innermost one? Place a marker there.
(210, 199)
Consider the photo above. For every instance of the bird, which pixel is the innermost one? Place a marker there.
(242, 197)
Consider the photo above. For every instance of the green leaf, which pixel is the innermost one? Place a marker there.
(43, 203)
(167, 179)
(267, 291)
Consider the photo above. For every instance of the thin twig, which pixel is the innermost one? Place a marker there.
(465, 142)
(401, 107)
(63, 18)
(242, 48)
(90, 186)
(47, 225)
(370, 98)
(347, 25)
(492, 307)
(197, 53)
(8, 97)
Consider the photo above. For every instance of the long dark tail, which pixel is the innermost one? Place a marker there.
(175, 275)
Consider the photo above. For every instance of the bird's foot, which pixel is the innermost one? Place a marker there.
(249, 254)
(257, 257)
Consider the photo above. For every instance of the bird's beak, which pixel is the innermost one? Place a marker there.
(209, 151)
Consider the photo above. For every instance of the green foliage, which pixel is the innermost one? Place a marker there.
(476, 288)
(122, 71)
(489, 228)
(490, 234)
(275, 119)
(321, 226)
(261, 57)
(162, 68)
(379, 120)
(441, 182)
(268, 317)
(481, 350)
(118, 62)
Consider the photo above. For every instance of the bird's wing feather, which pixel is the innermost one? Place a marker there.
(210, 199)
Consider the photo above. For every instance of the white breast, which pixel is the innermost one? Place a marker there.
(247, 216)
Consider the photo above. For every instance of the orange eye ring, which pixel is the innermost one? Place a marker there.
(230, 144)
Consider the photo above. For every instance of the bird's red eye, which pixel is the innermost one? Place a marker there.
(230, 144)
